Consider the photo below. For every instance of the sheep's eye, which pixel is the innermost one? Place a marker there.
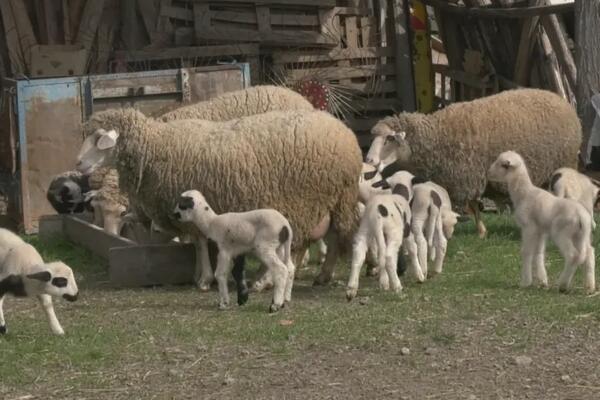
(59, 282)
(205, 208)
(389, 138)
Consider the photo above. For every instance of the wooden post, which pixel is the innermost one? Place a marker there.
(423, 71)
(404, 68)
(555, 34)
(522, 69)
(587, 37)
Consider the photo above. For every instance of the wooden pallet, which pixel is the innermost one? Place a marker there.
(363, 65)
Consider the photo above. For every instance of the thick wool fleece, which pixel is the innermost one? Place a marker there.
(241, 103)
(106, 181)
(303, 164)
(455, 146)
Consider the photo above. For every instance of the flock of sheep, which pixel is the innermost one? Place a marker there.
(260, 170)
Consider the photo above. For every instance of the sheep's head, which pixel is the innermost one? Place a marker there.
(55, 279)
(505, 166)
(449, 221)
(97, 150)
(189, 203)
(64, 194)
(385, 149)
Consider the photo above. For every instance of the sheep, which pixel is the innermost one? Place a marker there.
(304, 164)
(67, 192)
(241, 103)
(23, 273)
(541, 214)
(265, 232)
(387, 220)
(570, 184)
(109, 203)
(454, 146)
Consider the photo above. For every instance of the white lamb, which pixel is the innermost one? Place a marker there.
(265, 232)
(570, 184)
(541, 214)
(23, 273)
(387, 220)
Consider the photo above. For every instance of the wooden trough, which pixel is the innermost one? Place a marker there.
(130, 264)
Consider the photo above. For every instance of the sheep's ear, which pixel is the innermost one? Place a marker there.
(107, 140)
(43, 276)
(399, 136)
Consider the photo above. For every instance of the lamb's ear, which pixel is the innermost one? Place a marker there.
(43, 276)
(107, 140)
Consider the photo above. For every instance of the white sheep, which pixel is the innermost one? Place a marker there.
(541, 214)
(265, 232)
(23, 273)
(387, 220)
(570, 184)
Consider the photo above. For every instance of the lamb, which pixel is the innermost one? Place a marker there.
(387, 220)
(67, 192)
(570, 184)
(541, 214)
(233, 105)
(304, 164)
(23, 273)
(264, 231)
(466, 137)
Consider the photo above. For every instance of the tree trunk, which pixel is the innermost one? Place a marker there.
(587, 37)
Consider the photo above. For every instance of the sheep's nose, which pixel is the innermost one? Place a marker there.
(69, 297)
(177, 215)
(78, 163)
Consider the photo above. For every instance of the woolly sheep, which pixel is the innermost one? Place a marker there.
(66, 192)
(109, 203)
(23, 273)
(541, 214)
(387, 220)
(454, 146)
(265, 232)
(304, 164)
(570, 184)
(241, 103)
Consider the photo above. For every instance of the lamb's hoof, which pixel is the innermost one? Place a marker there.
(543, 285)
(223, 306)
(275, 308)
(397, 290)
(242, 297)
(321, 280)
(372, 271)
(482, 234)
(3, 330)
(384, 286)
(203, 286)
(261, 286)
(59, 332)
(588, 290)
(351, 293)
(563, 289)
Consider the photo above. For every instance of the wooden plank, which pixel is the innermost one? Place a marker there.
(263, 19)
(143, 90)
(179, 52)
(202, 15)
(405, 85)
(164, 25)
(555, 34)
(41, 21)
(516, 12)
(358, 11)
(374, 104)
(132, 34)
(313, 3)
(25, 30)
(368, 28)
(523, 60)
(333, 55)
(75, 13)
(88, 25)
(92, 237)
(176, 13)
(50, 227)
(17, 61)
(551, 65)
(66, 13)
(150, 16)
(371, 86)
(272, 38)
(333, 73)
(351, 32)
(169, 264)
(106, 35)
(276, 19)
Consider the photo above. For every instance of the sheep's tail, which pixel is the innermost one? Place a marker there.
(287, 248)
(345, 216)
(381, 246)
(432, 222)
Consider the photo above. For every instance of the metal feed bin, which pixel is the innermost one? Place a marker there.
(40, 122)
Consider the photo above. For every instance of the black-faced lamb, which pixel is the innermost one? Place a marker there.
(304, 164)
(570, 184)
(265, 232)
(455, 146)
(541, 215)
(23, 273)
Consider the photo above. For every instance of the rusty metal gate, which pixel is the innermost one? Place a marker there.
(49, 113)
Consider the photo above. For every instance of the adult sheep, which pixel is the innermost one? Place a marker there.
(303, 164)
(240, 103)
(456, 145)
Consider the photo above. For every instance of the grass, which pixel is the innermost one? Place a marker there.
(113, 335)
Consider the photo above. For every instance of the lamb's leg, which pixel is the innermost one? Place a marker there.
(529, 239)
(265, 281)
(590, 271)
(440, 245)
(359, 252)
(239, 276)
(330, 260)
(2, 321)
(203, 275)
(391, 258)
(538, 261)
(291, 272)
(111, 222)
(98, 218)
(279, 272)
(46, 302)
(371, 261)
(473, 208)
(412, 249)
(322, 251)
(221, 274)
(417, 229)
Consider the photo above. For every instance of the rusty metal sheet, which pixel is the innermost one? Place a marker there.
(50, 116)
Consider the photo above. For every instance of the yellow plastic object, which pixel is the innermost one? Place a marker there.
(423, 72)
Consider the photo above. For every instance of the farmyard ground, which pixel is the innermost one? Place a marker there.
(464, 331)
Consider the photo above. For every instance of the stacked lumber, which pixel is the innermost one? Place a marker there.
(492, 45)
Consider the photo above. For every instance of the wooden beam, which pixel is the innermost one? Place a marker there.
(88, 25)
(178, 52)
(333, 55)
(272, 38)
(150, 16)
(27, 38)
(92, 237)
(313, 3)
(523, 61)
(17, 61)
(559, 44)
(516, 12)
(405, 86)
(66, 12)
